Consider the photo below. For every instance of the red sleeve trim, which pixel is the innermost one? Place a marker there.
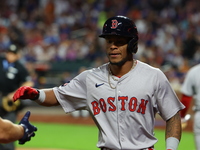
(186, 100)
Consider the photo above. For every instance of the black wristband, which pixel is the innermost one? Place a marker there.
(37, 96)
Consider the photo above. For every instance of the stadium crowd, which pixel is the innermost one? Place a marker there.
(67, 30)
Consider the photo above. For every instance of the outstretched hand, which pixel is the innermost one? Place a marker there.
(29, 129)
(26, 92)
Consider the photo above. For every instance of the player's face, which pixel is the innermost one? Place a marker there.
(116, 48)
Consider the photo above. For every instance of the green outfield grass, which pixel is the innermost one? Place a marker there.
(83, 137)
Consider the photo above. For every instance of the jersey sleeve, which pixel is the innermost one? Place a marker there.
(72, 95)
(187, 85)
(167, 101)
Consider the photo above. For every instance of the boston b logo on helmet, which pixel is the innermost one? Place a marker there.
(122, 26)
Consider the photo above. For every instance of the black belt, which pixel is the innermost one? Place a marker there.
(104, 148)
(150, 148)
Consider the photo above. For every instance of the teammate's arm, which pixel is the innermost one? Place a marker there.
(173, 132)
(10, 132)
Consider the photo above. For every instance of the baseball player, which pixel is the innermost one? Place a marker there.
(122, 95)
(191, 89)
(10, 132)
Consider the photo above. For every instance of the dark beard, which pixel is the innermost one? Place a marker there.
(122, 62)
(119, 63)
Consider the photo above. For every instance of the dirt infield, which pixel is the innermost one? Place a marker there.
(65, 119)
(54, 115)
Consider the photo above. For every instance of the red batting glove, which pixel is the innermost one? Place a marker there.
(26, 92)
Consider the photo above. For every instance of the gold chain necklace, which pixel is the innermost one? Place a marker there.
(110, 74)
(109, 82)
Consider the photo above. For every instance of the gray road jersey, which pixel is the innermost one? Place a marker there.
(191, 85)
(124, 115)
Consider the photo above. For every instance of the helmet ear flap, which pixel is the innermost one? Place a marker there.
(133, 45)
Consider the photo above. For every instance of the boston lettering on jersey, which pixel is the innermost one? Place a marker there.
(108, 105)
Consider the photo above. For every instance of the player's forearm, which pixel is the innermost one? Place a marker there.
(173, 127)
(10, 132)
(47, 98)
(173, 132)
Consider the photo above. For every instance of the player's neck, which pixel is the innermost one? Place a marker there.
(119, 71)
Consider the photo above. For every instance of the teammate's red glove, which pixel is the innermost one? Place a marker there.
(26, 92)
